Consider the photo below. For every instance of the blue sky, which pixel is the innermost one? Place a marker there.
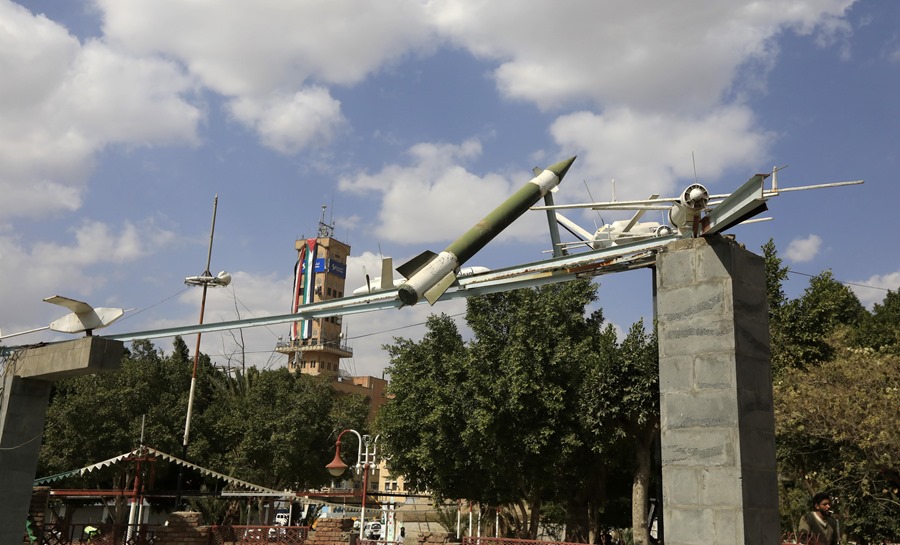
(121, 119)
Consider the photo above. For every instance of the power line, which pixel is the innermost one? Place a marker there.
(398, 328)
(791, 271)
(408, 326)
(134, 313)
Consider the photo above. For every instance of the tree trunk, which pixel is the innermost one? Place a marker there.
(535, 517)
(639, 491)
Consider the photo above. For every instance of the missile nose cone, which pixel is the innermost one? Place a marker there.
(561, 167)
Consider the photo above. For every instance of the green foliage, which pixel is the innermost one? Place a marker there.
(808, 321)
(837, 381)
(621, 392)
(513, 417)
(426, 417)
(775, 277)
(838, 432)
(95, 417)
(271, 428)
(881, 331)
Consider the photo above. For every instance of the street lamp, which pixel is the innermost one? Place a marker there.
(364, 460)
(204, 280)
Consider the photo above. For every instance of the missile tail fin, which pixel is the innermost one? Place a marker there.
(434, 293)
(413, 266)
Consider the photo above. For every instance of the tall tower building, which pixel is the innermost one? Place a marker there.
(316, 346)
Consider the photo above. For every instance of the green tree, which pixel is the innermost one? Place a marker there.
(837, 431)
(276, 428)
(775, 277)
(527, 357)
(806, 323)
(777, 301)
(93, 418)
(620, 410)
(502, 420)
(269, 427)
(881, 331)
(425, 416)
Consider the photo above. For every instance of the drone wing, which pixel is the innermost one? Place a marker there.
(84, 317)
(639, 204)
(78, 307)
(637, 215)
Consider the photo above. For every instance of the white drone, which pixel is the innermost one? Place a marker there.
(83, 317)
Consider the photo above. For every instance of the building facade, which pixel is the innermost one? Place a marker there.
(316, 346)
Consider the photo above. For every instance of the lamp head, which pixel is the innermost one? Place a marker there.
(337, 467)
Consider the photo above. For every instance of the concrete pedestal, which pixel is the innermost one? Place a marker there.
(717, 419)
(26, 392)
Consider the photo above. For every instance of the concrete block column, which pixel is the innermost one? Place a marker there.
(23, 409)
(23, 412)
(717, 418)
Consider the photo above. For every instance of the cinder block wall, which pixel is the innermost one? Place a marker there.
(717, 417)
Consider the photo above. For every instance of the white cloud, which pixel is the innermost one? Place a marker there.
(437, 199)
(62, 102)
(873, 289)
(276, 64)
(239, 48)
(803, 250)
(97, 242)
(271, 57)
(31, 74)
(649, 153)
(76, 269)
(119, 98)
(682, 57)
(289, 124)
(666, 56)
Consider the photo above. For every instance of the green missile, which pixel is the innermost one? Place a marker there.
(430, 274)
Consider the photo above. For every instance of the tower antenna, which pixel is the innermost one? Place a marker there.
(326, 230)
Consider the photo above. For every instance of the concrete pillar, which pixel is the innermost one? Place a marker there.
(24, 409)
(27, 381)
(717, 418)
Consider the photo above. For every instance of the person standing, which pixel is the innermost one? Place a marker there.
(819, 527)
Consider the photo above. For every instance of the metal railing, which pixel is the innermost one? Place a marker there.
(789, 538)
(108, 534)
(312, 343)
(287, 535)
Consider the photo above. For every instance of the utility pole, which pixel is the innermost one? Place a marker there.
(204, 280)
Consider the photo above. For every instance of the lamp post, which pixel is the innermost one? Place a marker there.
(204, 280)
(364, 460)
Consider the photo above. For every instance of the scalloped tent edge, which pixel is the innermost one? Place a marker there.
(164, 456)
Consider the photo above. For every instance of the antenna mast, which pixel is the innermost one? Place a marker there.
(325, 230)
